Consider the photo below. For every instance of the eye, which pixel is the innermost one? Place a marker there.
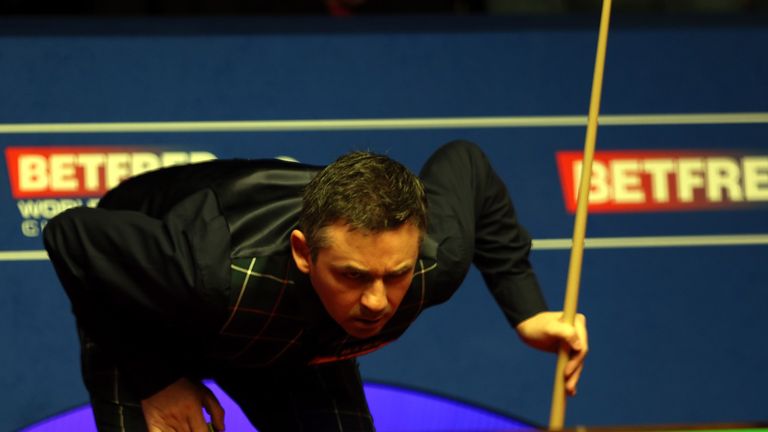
(398, 275)
(352, 274)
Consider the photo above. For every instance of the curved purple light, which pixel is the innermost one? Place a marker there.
(394, 409)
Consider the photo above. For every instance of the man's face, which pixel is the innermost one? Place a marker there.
(361, 277)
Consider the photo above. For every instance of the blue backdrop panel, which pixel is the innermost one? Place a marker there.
(675, 331)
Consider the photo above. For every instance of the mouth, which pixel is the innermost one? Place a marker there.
(362, 328)
(370, 322)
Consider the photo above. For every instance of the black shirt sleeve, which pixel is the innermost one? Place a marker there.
(473, 220)
(148, 290)
(502, 247)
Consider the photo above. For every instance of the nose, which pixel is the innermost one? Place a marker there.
(374, 299)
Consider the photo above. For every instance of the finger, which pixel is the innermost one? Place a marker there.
(164, 428)
(575, 361)
(214, 409)
(162, 425)
(572, 381)
(575, 335)
(573, 370)
(581, 330)
(566, 333)
(197, 423)
(575, 365)
(572, 367)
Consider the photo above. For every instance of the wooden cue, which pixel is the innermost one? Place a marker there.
(557, 413)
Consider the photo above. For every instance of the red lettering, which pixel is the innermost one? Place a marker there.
(632, 181)
(53, 172)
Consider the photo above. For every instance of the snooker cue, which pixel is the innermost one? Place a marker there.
(557, 412)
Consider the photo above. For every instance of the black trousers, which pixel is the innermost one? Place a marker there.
(472, 220)
(314, 398)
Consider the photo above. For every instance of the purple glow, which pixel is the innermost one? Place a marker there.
(394, 410)
(398, 410)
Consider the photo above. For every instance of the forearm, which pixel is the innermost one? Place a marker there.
(472, 216)
(502, 247)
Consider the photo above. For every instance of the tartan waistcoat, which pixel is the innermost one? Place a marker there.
(274, 317)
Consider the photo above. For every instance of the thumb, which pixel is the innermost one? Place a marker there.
(214, 409)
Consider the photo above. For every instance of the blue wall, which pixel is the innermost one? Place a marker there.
(676, 332)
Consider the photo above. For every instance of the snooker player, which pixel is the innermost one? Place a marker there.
(271, 277)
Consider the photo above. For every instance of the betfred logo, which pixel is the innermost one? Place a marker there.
(632, 181)
(54, 172)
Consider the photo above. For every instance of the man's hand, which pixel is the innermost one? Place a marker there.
(178, 408)
(546, 331)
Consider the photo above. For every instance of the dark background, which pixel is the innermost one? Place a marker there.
(373, 7)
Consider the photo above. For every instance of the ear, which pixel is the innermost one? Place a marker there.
(300, 251)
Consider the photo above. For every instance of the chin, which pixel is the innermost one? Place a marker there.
(357, 334)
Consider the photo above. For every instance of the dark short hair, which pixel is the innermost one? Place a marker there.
(365, 190)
